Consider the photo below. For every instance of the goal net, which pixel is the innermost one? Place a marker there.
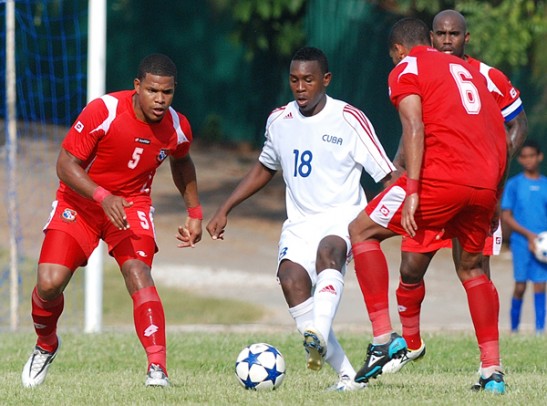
(50, 70)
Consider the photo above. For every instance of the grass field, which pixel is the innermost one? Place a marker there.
(109, 369)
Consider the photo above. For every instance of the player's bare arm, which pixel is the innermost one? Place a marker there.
(410, 112)
(70, 171)
(517, 130)
(183, 172)
(256, 179)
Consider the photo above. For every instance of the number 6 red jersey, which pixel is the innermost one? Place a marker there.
(464, 132)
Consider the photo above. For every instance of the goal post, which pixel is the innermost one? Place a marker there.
(11, 146)
(43, 72)
(96, 68)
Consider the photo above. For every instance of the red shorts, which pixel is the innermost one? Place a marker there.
(463, 212)
(86, 222)
(429, 241)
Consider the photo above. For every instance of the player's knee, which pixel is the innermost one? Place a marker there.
(137, 275)
(331, 254)
(52, 280)
(293, 280)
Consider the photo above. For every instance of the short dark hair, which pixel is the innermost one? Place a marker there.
(409, 32)
(531, 143)
(312, 54)
(157, 64)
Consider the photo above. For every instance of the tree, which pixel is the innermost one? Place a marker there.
(275, 26)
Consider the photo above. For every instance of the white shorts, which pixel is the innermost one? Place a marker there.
(299, 240)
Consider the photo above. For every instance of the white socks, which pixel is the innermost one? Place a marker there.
(304, 315)
(326, 297)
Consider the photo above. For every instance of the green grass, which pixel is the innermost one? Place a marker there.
(181, 306)
(109, 369)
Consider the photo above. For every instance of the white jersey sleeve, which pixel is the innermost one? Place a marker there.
(368, 149)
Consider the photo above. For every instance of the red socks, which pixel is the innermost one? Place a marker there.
(45, 315)
(373, 276)
(150, 325)
(484, 307)
(409, 300)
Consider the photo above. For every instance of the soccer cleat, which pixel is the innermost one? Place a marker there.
(379, 355)
(346, 384)
(156, 376)
(316, 349)
(35, 370)
(493, 384)
(396, 364)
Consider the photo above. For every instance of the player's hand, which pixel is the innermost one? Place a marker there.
(114, 208)
(189, 234)
(409, 208)
(216, 226)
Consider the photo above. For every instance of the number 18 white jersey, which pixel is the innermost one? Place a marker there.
(322, 157)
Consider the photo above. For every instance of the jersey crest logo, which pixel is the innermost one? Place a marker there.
(142, 140)
(288, 116)
(69, 215)
(162, 155)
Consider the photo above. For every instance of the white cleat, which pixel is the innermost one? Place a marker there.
(156, 376)
(396, 364)
(35, 370)
(346, 384)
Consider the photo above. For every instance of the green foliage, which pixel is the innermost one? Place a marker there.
(266, 25)
(109, 369)
(502, 32)
(503, 35)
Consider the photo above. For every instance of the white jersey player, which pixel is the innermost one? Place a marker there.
(322, 146)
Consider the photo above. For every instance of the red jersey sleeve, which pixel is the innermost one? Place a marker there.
(403, 80)
(87, 130)
(507, 96)
(182, 149)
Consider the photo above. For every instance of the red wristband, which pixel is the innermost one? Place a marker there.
(195, 212)
(100, 193)
(412, 186)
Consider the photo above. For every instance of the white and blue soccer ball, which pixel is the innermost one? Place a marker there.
(260, 366)
(541, 247)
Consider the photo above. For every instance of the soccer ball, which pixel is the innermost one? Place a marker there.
(541, 247)
(260, 366)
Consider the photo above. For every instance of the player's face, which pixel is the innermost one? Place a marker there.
(449, 36)
(308, 86)
(153, 98)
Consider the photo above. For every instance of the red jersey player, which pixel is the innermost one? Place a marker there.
(106, 166)
(455, 157)
(449, 35)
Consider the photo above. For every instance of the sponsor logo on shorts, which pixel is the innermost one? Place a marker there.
(68, 215)
(79, 126)
(141, 254)
(384, 210)
(142, 140)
